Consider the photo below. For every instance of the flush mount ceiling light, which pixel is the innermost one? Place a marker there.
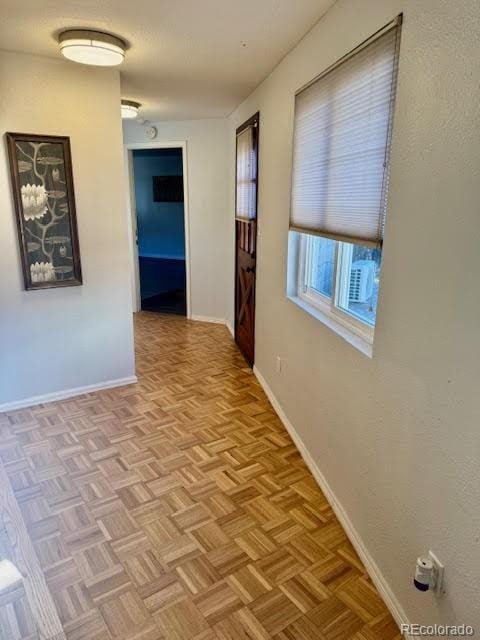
(130, 108)
(92, 47)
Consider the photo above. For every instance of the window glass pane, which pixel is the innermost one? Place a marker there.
(322, 265)
(358, 292)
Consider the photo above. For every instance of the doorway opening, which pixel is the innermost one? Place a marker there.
(159, 238)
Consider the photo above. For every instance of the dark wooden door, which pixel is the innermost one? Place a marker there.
(246, 236)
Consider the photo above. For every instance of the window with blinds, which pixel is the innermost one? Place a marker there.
(342, 130)
(246, 173)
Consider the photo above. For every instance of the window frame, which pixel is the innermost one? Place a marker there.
(252, 123)
(327, 308)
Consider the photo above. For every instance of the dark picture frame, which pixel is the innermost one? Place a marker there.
(43, 194)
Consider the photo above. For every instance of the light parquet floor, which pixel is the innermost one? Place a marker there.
(178, 508)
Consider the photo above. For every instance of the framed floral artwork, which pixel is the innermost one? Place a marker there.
(42, 182)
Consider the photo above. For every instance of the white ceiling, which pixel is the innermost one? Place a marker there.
(187, 58)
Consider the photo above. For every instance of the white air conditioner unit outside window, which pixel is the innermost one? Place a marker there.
(362, 280)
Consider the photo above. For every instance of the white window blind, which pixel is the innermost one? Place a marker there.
(342, 131)
(246, 174)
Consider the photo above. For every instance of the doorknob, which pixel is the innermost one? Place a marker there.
(250, 269)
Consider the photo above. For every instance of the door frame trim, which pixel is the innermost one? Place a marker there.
(255, 118)
(132, 216)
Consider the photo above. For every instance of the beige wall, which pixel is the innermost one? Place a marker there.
(207, 167)
(397, 436)
(60, 339)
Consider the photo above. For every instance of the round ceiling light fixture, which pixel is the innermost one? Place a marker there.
(129, 108)
(92, 47)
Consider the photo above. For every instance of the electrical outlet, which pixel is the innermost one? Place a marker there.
(278, 364)
(438, 571)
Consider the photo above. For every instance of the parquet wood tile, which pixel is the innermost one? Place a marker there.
(274, 611)
(241, 625)
(177, 508)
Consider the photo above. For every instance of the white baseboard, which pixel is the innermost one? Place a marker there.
(374, 572)
(230, 328)
(207, 319)
(66, 393)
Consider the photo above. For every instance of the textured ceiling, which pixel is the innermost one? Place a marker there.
(187, 58)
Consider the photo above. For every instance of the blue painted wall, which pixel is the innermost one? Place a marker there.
(160, 225)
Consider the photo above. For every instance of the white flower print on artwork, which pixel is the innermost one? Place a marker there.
(34, 201)
(42, 272)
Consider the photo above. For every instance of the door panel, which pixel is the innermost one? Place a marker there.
(246, 237)
(245, 298)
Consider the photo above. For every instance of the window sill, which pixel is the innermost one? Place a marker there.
(363, 343)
